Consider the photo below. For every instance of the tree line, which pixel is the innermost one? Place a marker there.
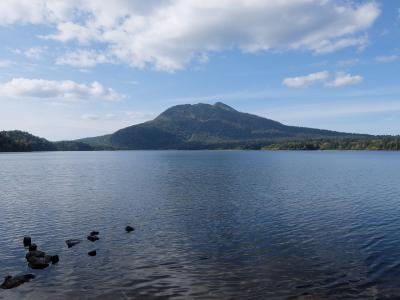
(380, 143)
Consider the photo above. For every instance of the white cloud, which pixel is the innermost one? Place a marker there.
(70, 31)
(52, 89)
(90, 117)
(169, 34)
(348, 62)
(343, 79)
(129, 116)
(35, 11)
(340, 79)
(328, 46)
(133, 82)
(303, 81)
(33, 52)
(138, 115)
(387, 58)
(83, 58)
(327, 110)
(5, 63)
(99, 117)
(110, 116)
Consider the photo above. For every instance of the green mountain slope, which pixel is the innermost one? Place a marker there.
(205, 126)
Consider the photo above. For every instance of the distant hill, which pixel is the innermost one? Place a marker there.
(20, 141)
(73, 146)
(205, 126)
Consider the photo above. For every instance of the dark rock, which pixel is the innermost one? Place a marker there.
(92, 238)
(39, 262)
(92, 253)
(93, 233)
(32, 247)
(72, 242)
(55, 259)
(36, 253)
(12, 282)
(27, 241)
(129, 228)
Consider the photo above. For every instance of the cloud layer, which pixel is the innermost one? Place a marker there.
(302, 81)
(343, 79)
(338, 80)
(57, 90)
(387, 58)
(168, 35)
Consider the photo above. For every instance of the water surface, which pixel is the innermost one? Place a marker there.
(209, 224)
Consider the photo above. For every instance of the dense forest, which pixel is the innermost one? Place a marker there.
(20, 141)
(378, 143)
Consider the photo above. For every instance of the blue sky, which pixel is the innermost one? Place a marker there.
(71, 69)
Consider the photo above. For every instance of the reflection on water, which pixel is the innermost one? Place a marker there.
(209, 224)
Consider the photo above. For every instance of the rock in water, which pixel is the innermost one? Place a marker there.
(39, 262)
(12, 282)
(129, 228)
(55, 259)
(27, 241)
(92, 238)
(72, 242)
(92, 253)
(36, 253)
(93, 233)
(33, 247)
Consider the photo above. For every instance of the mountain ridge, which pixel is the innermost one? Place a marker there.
(203, 126)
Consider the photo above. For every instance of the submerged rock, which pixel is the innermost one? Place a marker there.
(93, 233)
(11, 282)
(92, 253)
(129, 228)
(93, 238)
(72, 242)
(27, 241)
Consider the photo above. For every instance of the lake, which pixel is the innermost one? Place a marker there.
(209, 224)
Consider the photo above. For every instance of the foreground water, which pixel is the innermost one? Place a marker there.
(209, 225)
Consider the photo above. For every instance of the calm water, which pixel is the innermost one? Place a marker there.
(209, 225)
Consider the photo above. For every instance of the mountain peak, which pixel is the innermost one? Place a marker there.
(200, 111)
(223, 106)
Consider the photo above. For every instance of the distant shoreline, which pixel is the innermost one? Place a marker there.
(19, 141)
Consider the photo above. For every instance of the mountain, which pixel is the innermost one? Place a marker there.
(205, 126)
(20, 141)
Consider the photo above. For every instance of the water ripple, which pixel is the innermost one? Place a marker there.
(209, 224)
